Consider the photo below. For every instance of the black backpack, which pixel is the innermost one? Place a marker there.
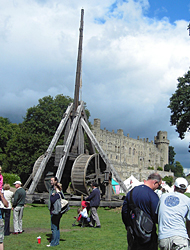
(141, 224)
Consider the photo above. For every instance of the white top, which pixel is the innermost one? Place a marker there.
(8, 196)
(174, 209)
(84, 213)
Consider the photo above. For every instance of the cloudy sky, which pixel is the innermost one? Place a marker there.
(133, 53)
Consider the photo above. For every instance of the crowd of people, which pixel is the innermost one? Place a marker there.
(171, 211)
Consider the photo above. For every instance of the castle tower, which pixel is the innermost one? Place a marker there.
(162, 143)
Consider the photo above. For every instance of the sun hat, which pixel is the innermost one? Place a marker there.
(181, 183)
(17, 182)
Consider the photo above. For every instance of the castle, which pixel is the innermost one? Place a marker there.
(137, 157)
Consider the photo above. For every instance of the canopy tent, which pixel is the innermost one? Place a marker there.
(131, 182)
(116, 186)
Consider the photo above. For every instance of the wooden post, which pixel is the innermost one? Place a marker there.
(50, 150)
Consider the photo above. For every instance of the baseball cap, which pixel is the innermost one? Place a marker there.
(17, 182)
(181, 183)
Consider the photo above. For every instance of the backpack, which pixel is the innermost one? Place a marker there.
(140, 222)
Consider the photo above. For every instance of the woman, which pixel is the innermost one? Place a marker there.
(55, 211)
(6, 211)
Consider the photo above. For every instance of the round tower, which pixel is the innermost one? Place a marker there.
(162, 143)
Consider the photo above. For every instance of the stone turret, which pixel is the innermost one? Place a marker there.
(162, 144)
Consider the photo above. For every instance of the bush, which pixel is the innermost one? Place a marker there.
(152, 168)
(159, 168)
(10, 178)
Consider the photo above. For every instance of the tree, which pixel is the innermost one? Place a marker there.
(171, 155)
(8, 131)
(168, 180)
(180, 106)
(178, 170)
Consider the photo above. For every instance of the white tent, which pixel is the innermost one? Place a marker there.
(131, 182)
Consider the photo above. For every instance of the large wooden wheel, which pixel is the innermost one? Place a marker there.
(87, 169)
(40, 186)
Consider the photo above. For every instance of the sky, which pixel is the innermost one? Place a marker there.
(133, 53)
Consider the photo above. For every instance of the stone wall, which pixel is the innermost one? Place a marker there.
(138, 157)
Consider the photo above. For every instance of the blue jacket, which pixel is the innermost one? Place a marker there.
(94, 198)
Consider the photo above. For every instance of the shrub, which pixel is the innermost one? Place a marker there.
(159, 168)
(10, 178)
(152, 168)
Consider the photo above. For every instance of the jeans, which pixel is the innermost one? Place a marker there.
(55, 220)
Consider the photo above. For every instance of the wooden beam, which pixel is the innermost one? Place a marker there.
(103, 155)
(50, 149)
(69, 141)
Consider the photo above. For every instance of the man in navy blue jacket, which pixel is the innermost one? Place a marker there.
(94, 199)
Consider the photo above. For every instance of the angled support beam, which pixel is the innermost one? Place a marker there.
(103, 155)
(69, 141)
(50, 149)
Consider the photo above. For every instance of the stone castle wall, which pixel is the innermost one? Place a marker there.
(133, 156)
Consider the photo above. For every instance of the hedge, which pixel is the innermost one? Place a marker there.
(10, 178)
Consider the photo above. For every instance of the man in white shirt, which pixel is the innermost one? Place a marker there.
(173, 211)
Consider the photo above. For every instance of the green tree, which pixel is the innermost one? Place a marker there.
(8, 131)
(178, 169)
(180, 106)
(171, 155)
(168, 180)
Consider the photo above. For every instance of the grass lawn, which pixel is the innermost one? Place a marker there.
(36, 222)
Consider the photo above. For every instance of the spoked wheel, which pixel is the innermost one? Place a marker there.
(40, 186)
(87, 169)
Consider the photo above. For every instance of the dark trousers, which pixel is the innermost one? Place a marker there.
(6, 213)
(133, 243)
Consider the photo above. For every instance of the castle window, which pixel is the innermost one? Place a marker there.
(129, 150)
(134, 151)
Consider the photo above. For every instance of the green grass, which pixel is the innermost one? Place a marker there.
(36, 222)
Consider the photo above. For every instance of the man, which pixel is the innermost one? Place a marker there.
(173, 211)
(18, 207)
(94, 199)
(51, 189)
(147, 200)
(5, 203)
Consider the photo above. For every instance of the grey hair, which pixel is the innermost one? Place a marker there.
(154, 176)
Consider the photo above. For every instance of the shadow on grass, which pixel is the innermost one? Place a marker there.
(49, 237)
